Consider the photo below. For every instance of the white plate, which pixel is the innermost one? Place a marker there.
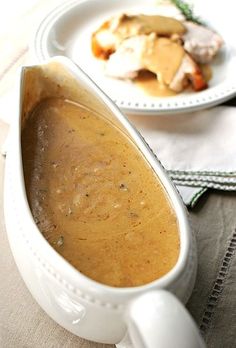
(67, 31)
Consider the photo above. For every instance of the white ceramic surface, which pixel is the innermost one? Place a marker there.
(67, 31)
(81, 305)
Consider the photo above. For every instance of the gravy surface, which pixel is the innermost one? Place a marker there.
(170, 55)
(159, 72)
(95, 198)
(148, 82)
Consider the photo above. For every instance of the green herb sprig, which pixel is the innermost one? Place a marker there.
(187, 11)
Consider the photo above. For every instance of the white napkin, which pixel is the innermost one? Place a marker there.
(197, 148)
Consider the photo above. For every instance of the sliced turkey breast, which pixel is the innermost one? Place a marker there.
(109, 36)
(161, 56)
(188, 71)
(201, 42)
(172, 66)
(127, 61)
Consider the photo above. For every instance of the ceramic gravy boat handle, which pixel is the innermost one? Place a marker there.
(158, 319)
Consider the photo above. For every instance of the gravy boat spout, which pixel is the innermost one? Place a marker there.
(84, 306)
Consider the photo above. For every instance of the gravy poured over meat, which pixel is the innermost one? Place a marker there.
(95, 198)
(172, 50)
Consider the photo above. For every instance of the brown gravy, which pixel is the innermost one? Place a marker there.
(95, 198)
(170, 55)
(160, 72)
(206, 71)
(148, 82)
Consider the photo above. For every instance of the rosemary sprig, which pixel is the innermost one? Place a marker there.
(187, 11)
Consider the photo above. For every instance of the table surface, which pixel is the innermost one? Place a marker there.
(23, 324)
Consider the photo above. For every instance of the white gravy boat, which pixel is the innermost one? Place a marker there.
(151, 314)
